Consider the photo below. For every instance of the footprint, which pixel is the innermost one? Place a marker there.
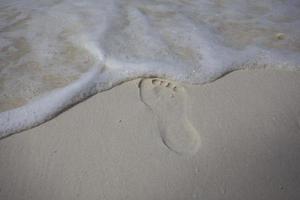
(167, 101)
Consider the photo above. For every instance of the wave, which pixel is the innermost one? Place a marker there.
(54, 54)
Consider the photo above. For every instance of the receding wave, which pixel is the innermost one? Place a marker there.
(55, 53)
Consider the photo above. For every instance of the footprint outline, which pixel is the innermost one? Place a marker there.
(176, 131)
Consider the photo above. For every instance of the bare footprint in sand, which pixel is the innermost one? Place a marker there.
(167, 101)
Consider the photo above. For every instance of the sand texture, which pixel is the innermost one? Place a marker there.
(236, 138)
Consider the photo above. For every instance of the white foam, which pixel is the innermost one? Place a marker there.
(56, 53)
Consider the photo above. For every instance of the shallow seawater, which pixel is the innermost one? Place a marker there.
(55, 53)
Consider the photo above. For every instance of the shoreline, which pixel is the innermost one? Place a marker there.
(108, 146)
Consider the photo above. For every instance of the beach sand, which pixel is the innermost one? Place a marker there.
(242, 141)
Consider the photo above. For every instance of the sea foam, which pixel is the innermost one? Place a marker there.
(56, 53)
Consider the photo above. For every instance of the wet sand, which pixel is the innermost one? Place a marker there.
(111, 146)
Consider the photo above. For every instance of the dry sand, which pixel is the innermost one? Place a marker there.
(110, 146)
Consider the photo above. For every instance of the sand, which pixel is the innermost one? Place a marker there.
(113, 146)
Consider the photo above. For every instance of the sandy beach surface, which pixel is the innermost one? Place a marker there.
(236, 138)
